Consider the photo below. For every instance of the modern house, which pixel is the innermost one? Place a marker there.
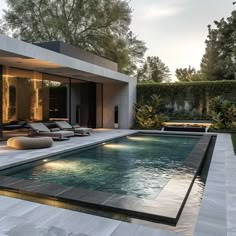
(56, 81)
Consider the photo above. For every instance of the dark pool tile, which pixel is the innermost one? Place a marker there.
(34, 187)
(84, 195)
(121, 201)
(143, 208)
(6, 181)
(157, 210)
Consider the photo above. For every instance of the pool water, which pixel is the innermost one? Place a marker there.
(139, 165)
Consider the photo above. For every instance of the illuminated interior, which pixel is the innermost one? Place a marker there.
(22, 99)
(34, 96)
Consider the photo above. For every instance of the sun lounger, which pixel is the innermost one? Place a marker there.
(42, 130)
(77, 129)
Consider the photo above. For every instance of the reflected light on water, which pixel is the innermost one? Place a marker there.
(138, 138)
(152, 139)
(60, 165)
(117, 146)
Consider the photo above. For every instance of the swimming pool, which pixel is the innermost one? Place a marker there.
(143, 175)
(139, 165)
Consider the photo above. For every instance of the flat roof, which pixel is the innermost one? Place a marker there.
(19, 54)
(72, 51)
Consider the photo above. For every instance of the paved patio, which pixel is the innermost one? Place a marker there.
(216, 216)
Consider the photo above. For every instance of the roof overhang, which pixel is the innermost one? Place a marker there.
(19, 54)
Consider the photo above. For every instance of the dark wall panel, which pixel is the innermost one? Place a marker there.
(88, 105)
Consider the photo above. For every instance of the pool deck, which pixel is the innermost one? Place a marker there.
(217, 215)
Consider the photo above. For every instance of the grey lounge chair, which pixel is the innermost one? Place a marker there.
(77, 129)
(42, 130)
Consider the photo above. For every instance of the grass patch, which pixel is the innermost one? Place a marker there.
(233, 136)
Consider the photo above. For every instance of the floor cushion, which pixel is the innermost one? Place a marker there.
(29, 143)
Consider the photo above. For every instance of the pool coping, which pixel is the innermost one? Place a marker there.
(166, 207)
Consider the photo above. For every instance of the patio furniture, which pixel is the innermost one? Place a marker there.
(76, 128)
(13, 125)
(42, 130)
(29, 143)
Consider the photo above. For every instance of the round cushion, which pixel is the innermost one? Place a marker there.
(29, 143)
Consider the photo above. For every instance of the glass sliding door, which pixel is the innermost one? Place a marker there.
(86, 103)
(75, 101)
(33, 96)
(56, 98)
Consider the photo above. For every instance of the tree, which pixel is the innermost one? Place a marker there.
(219, 60)
(153, 70)
(98, 26)
(188, 74)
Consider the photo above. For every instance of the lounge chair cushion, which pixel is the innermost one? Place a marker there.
(39, 127)
(76, 128)
(41, 130)
(63, 125)
(29, 143)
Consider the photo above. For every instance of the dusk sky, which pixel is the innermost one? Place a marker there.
(174, 30)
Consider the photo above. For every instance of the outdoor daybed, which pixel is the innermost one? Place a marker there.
(77, 129)
(42, 130)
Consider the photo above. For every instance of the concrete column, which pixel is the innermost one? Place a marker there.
(122, 95)
(132, 101)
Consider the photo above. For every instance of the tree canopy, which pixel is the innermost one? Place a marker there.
(219, 60)
(98, 26)
(188, 74)
(153, 70)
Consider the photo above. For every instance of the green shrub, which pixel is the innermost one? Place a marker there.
(148, 116)
(197, 94)
(223, 113)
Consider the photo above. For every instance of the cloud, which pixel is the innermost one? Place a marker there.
(155, 13)
(158, 9)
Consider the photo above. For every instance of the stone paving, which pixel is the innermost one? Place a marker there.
(217, 214)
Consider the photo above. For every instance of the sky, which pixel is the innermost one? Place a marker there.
(174, 30)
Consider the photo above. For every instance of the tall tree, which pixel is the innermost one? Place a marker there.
(153, 70)
(188, 74)
(219, 60)
(98, 26)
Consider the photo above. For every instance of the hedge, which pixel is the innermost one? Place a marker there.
(188, 100)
